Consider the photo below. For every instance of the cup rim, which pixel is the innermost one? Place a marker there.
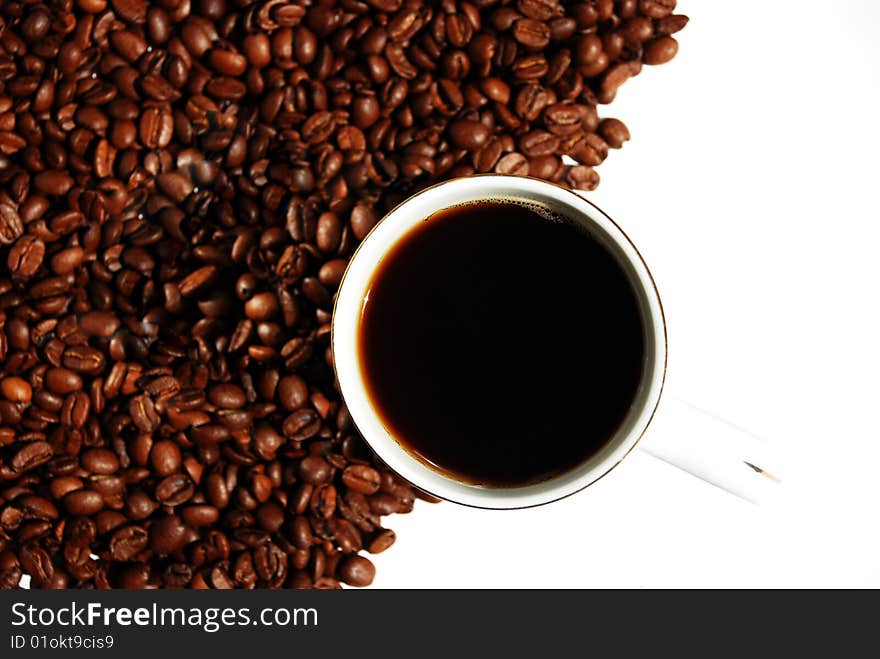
(344, 343)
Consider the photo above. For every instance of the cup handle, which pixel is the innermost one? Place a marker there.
(713, 449)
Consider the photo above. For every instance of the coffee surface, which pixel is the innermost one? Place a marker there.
(501, 345)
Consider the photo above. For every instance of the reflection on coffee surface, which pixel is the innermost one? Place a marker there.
(500, 343)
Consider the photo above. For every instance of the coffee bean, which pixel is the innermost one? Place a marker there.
(75, 410)
(84, 359)
(26, 256)
(302, 425)
(200, 515)
(174, 490)
(357, 571)
(469, 134)
(538, 143)
(657, 8)
(262, 306)
(143, 413)
(30, 456)
(292, 392)
(62, 380)
(197, 280)
(381, 541)
(98, 323)
(165, 457)
(53, 182)
(531, 33)
(513, 163)
(670, 24)
(133, 11)
(227, 63)
(314, 470)
(100, 461)
(127, 542)
(155, 128)
(227, 396)
(16, 389)
(660, 50)
(38, 564)
(361, 478)
(167, 535)
(614, 132)
(11, 226)
(363, 218)
(83, 502)
(582, 177)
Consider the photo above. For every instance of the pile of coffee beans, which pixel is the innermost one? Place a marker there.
(181, 183)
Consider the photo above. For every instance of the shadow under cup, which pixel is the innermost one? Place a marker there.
(392, 235)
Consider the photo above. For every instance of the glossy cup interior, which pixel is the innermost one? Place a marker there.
(352, 296)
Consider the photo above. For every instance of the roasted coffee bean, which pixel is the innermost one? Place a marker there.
(362, 478)
(143, 413)
(357, 571)
(660, 50)
(614, 132)
(670, 24)
(16, 389)
(100, 461)
(75, 410)
(657, 8)
(26, 256)
(167, 535)
(30, 456)
(165, 457)
(302, 425)
(84, 359)
(469, 134)
(582, 177)
(513, 163)
(83, 502)
(531, 33)
(127, 542)
(11, 226)
(227, 396)
(174, 490)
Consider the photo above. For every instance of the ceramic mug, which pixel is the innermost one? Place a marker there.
(711, 461)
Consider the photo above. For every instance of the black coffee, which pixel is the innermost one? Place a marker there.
(501, 344)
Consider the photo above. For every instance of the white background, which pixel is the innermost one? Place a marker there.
(750, 188)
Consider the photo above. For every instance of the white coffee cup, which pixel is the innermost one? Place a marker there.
(736, 475)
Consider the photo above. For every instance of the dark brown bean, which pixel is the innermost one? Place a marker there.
(167, 535)
(100, 461)
(262, 306)
(26, 256)
(83, 502)
(31, 455)
(174, 490)
(227, 396)
(127, 542)
(84, 359)
(614, 132)
(357, 571)
(165, 457)
(531, 33)
(469, 134)
(361, 478)
(16, 389)
(660, 50)
(657, 8)
(11, 226)
(302, 425)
